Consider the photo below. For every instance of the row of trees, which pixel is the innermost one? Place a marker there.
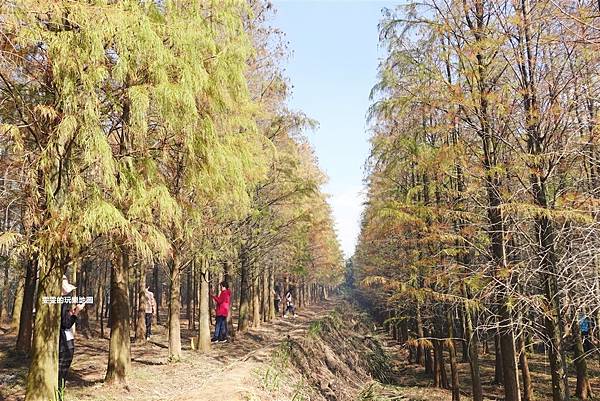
(143, 142)
(482, 214)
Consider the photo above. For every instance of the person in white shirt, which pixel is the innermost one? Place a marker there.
(289, 302)
(150, 310)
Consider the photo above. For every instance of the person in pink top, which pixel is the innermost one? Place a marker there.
(222, 302)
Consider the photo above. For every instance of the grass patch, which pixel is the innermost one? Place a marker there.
(274, 374)
(301, 391)
(315, 328)
(375, 391)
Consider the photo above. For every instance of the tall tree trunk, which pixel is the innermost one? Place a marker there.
(307, 293)
(303, 296)
(583, 389)
(463, 331)
(420, 334)
(26, 322)
(18, 304)
(83, 323)
(271, 294)
(509, 358)
(42, 379)
(524, 364)
(505, 334)
(266, 297)
(256, 290)
(553, 319)
(302, 292)
(140, 327)
(403, 330)
(157, 290)
(204, 312)
(546, 235)
(251, 300)
(442, 361)
(99, 294)
(440, 378)
(132, 301)
(453, 359)
(175, 310)
(227, 276)
(5, 291)
(194, 296)
(243, 318)
(473, 346)
(429, 361)
(102, 298)
(498, 370)
(83, 319)
(119, 351)
(475, 18)
(188, 295)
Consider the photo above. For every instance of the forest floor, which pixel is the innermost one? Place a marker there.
(329, 352)
(410, 375)
(229, 372)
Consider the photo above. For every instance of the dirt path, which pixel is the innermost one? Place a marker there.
(229, 372)
(236, 377)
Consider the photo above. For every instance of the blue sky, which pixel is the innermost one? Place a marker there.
(333, 67)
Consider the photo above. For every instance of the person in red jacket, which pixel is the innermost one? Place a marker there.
(222, 302)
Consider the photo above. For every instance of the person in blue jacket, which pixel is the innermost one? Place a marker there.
(585, 326)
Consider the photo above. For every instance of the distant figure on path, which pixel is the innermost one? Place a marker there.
(66, 343)
(585, 326)
(277, 299)
(150, 311)
(222, 311)
(289, 304)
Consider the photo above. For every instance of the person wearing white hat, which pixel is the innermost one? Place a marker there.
(66, 344)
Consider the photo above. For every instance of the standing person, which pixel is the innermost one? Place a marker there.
(585, 326)
(222, 311)
(289, 302)
(66, 343)
(150, 311)
(277, 299)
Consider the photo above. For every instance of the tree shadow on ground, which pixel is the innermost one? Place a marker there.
(147, 362)
(77, 379)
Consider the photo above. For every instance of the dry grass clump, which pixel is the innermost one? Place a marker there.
(338, 355)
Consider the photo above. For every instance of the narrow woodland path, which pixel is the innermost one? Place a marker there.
(234, 366)
(228, 372)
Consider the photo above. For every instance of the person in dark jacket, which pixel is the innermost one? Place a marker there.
(277, 299)
(66, 343)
